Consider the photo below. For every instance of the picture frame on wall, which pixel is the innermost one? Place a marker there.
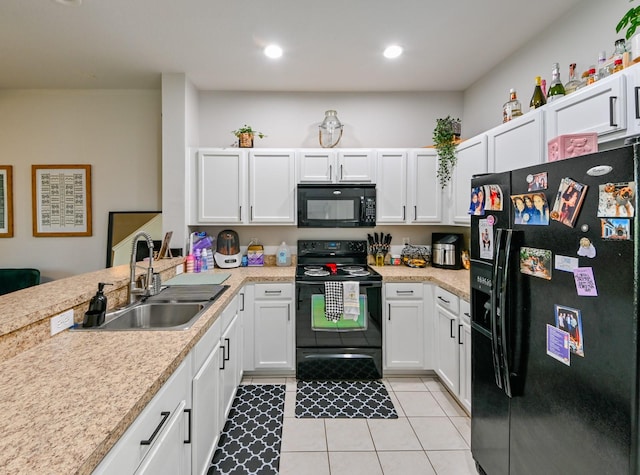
(61, 200)
(6, 201)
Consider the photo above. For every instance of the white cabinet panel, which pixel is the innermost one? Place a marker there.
(221, 178)
(447, 351)
(356, 166)
(274, 324)
(425, 193)
(272, 187)
(391, 196)
(472, 159)
(518, 143)
(316, 166)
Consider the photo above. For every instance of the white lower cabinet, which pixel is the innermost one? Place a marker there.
(453, 344)
(404, 326)
(156, 442)
(273, 326)
(206, 423)
(464, 343)
(230, 358)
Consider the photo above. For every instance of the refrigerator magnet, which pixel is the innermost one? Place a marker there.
(476, 207)
(568, 201)
(558, 344)
(537, 181)
(485, 231)
(585, 282)
(493, 195)
(530, 209)
(615, 200)
(535, 262)
(570, 320)
(565, 263)
(615, 229)
(586, 248)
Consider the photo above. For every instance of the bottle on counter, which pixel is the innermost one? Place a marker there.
(603, 70)
(190, 263)
(283, 256)
(573, 83)
(537, 99)
(617, 65)
(556, 90)
(512, 108)
(592, 77)
(197, 261)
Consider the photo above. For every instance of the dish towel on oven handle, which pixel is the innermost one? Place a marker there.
(333, 305)
(351, 300)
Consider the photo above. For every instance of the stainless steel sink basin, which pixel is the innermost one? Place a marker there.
(155, 316)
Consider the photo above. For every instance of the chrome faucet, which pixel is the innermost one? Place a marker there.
(147, 286)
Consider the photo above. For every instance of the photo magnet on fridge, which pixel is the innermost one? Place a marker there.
(585, 282)
(485, 229)
(615, 200)
(530, 209)
(615, 229)
(476, 207)
(570, 320)
(535, 262)
(558, 344)
(538, 182)
(568, 201)
(493, 200)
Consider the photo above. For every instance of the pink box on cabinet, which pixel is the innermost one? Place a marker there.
(571, 145)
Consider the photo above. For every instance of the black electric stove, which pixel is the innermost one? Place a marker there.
(334, 260)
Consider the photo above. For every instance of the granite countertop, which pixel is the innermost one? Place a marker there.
(69, 399)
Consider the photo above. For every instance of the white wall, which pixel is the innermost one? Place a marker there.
(576, 37)
(117, 132)
(292, 119)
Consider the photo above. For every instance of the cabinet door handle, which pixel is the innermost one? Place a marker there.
(451, 329)
(444, 300)
(341, 174)
(251, 213)
(415, 213)
(330, 172)
(224, 359)
(227, 356)
(459, 338)
(612, 99)
(188, 441)
(404, 212)
(240, 212)
(288, 312)
(165, 415)
(389, 312)
(242, 308)
(637, 88)
(273, 292)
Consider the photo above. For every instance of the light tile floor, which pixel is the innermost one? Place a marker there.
(431, 435)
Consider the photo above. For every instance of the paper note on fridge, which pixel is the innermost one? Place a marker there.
(566, 263)
(585, 282)
(558, 344)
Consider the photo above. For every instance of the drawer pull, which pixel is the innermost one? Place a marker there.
(188, 441)
(444, 300)
(467, 314)
(401, 292)
(637, 88)
(273, 292)
(165, 416)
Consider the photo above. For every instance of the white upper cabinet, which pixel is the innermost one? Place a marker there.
(518, 143)
(391, 187)
(272, 187)
(336, 166)
(632, 76)
(220, 186)
(600, 107)
(424, 191)
(472, 159)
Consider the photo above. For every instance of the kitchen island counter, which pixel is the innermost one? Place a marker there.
(69, 399)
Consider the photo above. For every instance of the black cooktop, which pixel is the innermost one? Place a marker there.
(320, 260)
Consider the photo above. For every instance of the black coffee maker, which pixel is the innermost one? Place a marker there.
(446, 250)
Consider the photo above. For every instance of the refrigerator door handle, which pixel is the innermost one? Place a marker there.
(504, 314)
(495, 348)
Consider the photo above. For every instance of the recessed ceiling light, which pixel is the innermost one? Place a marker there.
(392, 51)
(69, 3)
(273, 51)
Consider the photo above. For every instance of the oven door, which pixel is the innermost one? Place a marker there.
(343, 350)
(336, 206)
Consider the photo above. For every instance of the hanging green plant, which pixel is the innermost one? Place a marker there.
(444, 139)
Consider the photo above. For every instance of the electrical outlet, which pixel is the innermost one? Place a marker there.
(61, 322)
(405, 241)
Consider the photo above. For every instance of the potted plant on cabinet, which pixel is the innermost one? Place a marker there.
(631, 21)
(445, 140)
(245, 136)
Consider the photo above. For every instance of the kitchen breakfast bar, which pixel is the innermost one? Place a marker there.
(67, 399)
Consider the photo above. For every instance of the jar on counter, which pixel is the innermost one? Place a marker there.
(395, 260)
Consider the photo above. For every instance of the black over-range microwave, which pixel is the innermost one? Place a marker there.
(336, 206)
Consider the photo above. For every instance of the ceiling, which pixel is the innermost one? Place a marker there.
(329, 45)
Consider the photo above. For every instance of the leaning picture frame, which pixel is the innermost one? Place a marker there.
(61, 200)
(6, 201)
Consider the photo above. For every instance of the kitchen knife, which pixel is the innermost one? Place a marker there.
(370, 239)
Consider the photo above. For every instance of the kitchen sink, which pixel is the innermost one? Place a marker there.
(155, 316)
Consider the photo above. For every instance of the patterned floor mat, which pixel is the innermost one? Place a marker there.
(344, 399)
(250, 441)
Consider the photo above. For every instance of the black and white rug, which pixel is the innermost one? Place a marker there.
(250, 441)
(344, 399)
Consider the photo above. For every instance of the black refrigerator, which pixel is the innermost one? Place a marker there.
(554, 302)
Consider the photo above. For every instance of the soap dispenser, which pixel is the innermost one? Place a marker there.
(94, 317)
